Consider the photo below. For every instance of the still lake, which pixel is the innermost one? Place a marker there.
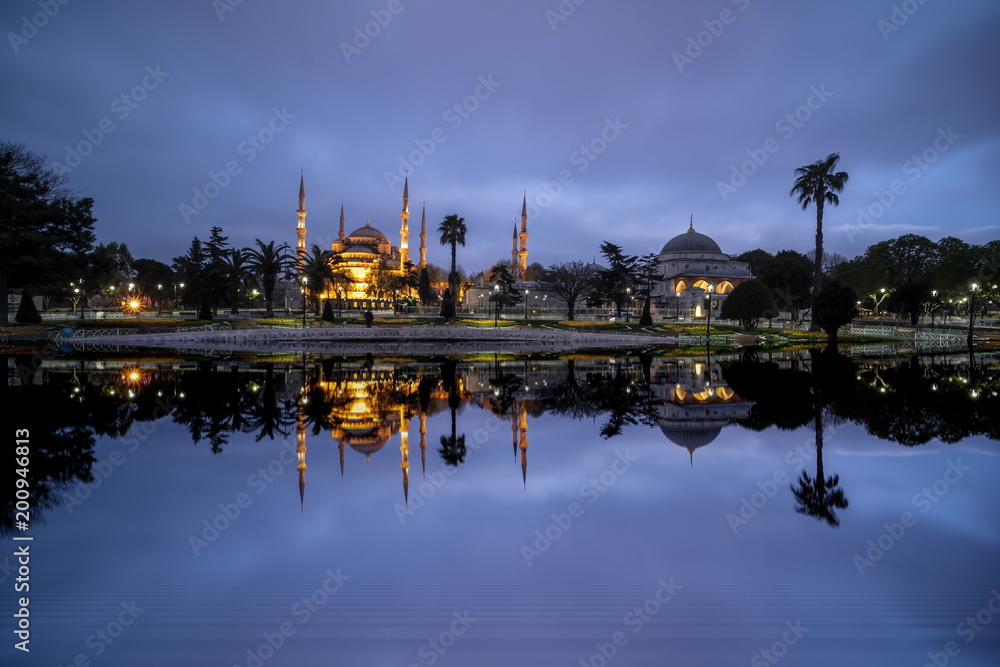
(499, 510)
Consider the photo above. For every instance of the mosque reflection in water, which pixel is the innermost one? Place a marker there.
(364, 404)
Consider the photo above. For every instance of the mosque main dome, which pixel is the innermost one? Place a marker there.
(691, 242)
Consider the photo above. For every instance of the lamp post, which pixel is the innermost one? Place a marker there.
(496, 304)
(678, 294)
(305, 281)
(972, 310)
(708, 320)
(525, 305)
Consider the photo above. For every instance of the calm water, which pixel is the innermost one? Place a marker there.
(632, 511)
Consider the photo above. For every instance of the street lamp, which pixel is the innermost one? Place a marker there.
(972, 310)
(525, 305)
(708, 320)
(678, 295)
(496, 304)
(305, 281)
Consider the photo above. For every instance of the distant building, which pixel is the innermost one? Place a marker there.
(693, 265)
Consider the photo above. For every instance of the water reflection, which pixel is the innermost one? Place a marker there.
(362, 404)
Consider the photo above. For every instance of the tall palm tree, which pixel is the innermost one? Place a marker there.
(819, 496)
(268, 262)
(233, 270)
(318, 269)
(452, 230)
(818, 184)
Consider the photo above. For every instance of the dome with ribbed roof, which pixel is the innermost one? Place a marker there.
(366, 233)
(691, 242)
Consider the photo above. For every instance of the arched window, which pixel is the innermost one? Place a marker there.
(724, 287)
(681, 286)
(701, 284)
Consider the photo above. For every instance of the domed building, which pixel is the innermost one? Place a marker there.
(693, 265)
(366, 250)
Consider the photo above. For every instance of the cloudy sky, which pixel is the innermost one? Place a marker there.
(619, 119)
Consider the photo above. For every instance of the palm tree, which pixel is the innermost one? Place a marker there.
(452, 230)
(268, 262)
(318, 270)
(819, 496)
(233, 270)
(452, 448)
(818, 184)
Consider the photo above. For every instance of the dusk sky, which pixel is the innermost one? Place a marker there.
(648, 112)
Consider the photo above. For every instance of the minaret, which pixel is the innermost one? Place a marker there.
(423, 444)
(342, 233)
(300, 452)
(523, 254)
(404, 455)
(423, 238)
(300, 245)
(514, 262)
(404, 228)
(523, 444)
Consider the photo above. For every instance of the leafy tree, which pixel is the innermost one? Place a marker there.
(534, 271)
(906, 259)
(818, 184)
(748, 303)
(758, 260)
(835, 306)
(380, 280)
(616, 282)
(452, 230)
(570, 281)
(909, 299)
(788, 275)
(46, 232)
(268, 262)
(192, 269)
(505, 293)
(150, 274)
